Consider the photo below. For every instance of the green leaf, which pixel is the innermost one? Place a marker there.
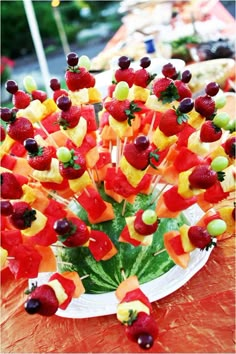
(170, 94)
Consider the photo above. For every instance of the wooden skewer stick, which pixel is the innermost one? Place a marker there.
(151, 126)
(124, 207)
(123, 273)
(85, 276)
(158, 194)
(159, 252)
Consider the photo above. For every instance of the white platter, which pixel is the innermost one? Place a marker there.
(89, 305)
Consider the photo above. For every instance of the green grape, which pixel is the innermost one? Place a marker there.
(121, 91)
(29, 83)
(149, 217)
(219, 163)
(231, 126)
(84, 62)
(221, 119)
(216, 227)
(63, 154)
(220, 100)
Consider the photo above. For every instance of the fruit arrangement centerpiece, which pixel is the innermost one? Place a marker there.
(94, 189)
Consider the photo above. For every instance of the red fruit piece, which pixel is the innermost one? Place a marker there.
(2, 133)
(47, 301)
(137, 294)
(92, 202)
(205, 106)
(58, 93)
(137, 158)
(202, 177)
(50, 122)
(141, 227)
(21, 99)
(183, 90)
(100, 244)
(199, 237)
(143, 78)
(126, 75)
(78, 235)
(23, 215)
(69, 287)
(175, 202)
(118, 109)
(20, 129)
(215, 193)
(10, 187)
(69, 119)
(74, 168)
(186, 159)
(168, 70)
(25, 261)
(172, 123)
(230, 146)
(143, 327)
(210, 132)
(77, 78)
(41, 160)
(10, 238)
(165, 90)
(39, 95)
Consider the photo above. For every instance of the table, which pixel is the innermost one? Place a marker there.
(199, 318)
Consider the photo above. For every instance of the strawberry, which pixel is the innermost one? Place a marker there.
(74, 168)
(10, 187)
(41, 159)
(42, 300)
(205, 105)
(59, 93)
(172, 122)
(126, 75)
(138, 159)
(77, 234)
(143, 78)
(200, 237)
(121, 110)
(77, 78)
(202, 177)
(141, 227)
(209, 132)
(143, 330)
(39, 95)
(183, 90)
(23, 215)
(21, 99)
(2, 133)
(230, 146)
(20, 129)
(70, 118)
(165, 90)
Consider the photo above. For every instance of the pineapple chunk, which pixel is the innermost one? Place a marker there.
(94, 95)
(78, 184)
(37, 225)
(122, 129)
(29, 195)
(162, 141)
(3, 257)
(186, 243)
(195, 119)
(77, 133)
(124, 308)
(156, 105)
(145, 240)
(52, 175)
(228, 184)
(34, 112)
(6, 145)
(197, 146)
(184, 188)
(59, 290)
(50, 106)
(138, 93)
(79, 97)
(132, 174)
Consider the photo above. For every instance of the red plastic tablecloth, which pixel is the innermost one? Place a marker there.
(198, 318)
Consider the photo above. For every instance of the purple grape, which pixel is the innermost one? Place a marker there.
(6, 114)
(72, 59)
(31, 145)
(64, 103)
(186, 105)
(32, 306)
(145, 341)
(6, 207)
(186, 76)
(169, 70)
(145, 62)
(55, 84)
(212, 88)
(124, 62)
(141, 142)
(11, 86)
(62, 226)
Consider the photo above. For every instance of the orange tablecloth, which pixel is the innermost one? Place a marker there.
(199, 318)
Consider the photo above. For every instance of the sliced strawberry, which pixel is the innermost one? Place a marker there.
(10, 187)
(21, 99)
(205, 105)
(210, 132)
(20, 129)
(42, 300)
(23, 215)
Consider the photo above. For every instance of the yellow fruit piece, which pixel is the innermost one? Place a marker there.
(162, 141)
(219, 151)
(226, 214)
(157, 105)
(59, 290)
(122, 129)
(133, 175)
(145, 240)
(77, 133)
(228, 184)
(29, 194)
(34, 112)
(195, 119)
(197, 146)
(94, 95)
(52, 175)
(50, 106)
(138, 93)
(3, 257)
(184, 188)
(186, 243)
(37, 225)
(79, 97)
(124, 309)
(78, 184)
(6, 145)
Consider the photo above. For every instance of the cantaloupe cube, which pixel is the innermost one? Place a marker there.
(129, 284)
(226, 213)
